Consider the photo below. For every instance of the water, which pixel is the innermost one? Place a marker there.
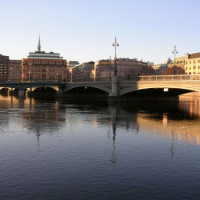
(67, 150)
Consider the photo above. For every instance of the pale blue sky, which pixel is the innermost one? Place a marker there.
(84, 30)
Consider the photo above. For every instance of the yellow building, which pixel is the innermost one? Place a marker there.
(192, 65)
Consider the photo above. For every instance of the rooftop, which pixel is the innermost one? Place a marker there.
(194, 55)
(44, 55)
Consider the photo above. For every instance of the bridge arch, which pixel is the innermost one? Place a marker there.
(2, 89)
(98, 87)
(182, 88)
(53, 88)
(44, 88)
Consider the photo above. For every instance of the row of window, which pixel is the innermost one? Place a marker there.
(194, 73)
(43, 63)
(194, 61)
(194, 67)
(42, 73)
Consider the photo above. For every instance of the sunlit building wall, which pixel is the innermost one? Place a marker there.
(82, 72)
(126, 68)
(70, 66)
(40, 65)
(192, 65)
(189, 64)
(178, 62)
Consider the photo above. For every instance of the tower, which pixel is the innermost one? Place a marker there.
(39, 45)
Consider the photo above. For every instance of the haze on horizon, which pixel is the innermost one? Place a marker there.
(85, 30)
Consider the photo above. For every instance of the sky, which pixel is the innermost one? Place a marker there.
(84, 30)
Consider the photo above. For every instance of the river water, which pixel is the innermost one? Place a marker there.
(56, 149)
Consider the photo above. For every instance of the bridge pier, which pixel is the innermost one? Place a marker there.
(115, 87)
(60, 91)
(21, 93)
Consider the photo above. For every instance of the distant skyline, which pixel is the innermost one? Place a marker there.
(84, 30)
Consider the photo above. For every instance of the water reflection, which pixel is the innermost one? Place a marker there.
(98, 150)
(175, 120)
(191, 106)
(113, 110)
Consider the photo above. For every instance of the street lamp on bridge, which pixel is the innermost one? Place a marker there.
(175, 52)
(115, 44)
(115, 89)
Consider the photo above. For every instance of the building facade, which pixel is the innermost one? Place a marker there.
(126, 68)
(160, 68)
(177, 66)
(4, 66)
(192, 63)
(70, 66)
(188, 64)
(40, 65)
(81, 72)
(14, 72)
(104, 69)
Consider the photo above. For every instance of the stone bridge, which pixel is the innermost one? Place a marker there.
(122, 86)
(21, 86)
(117, 86)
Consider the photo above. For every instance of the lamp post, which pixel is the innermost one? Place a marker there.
(115, 44)
(115, 89)
(175, 52)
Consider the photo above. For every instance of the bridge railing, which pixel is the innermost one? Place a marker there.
(181, 77)
(32, 81)
(105, 79)
(169, 77)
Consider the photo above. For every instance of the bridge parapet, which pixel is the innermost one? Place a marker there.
(181, 77)
(123, 85)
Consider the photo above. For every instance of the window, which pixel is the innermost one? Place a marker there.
(194, 67)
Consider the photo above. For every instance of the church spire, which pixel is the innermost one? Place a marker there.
(39, 45)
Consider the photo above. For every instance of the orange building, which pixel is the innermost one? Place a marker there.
(40, 65)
